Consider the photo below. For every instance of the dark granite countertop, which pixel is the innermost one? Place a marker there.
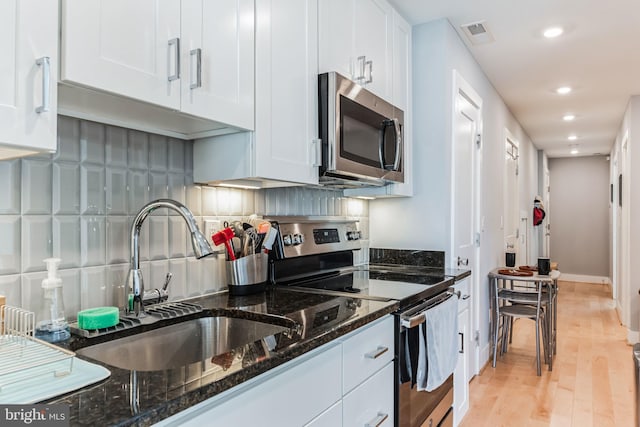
(414, 262)
(142, 398)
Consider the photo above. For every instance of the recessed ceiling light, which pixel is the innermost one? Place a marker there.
(553, 32)
(568, 117)
(572, 137)
(563, 90)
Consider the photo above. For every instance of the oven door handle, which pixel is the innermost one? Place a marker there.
(415, 316)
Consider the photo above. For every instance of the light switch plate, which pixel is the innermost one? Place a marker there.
(212, 226)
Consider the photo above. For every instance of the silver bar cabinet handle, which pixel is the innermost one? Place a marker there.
(176, 73)
(378, 420)
(45, 62)
(377, 352)
(198, 54)
(361, 66)
(369, 64)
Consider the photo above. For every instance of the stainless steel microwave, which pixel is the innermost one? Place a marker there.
(362, 135)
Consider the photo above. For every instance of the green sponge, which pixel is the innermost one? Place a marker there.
(99, 317)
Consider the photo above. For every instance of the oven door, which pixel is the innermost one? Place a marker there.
(417, 408)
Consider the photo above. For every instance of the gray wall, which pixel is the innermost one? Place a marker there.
(424, 221)
(78, 205)
(579, 214)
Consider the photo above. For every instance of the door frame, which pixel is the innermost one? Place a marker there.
(515, 210)
(460, 86)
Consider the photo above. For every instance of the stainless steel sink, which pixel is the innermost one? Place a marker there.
(180, 344)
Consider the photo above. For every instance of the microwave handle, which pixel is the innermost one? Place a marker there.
(396, 127)
(396, 162)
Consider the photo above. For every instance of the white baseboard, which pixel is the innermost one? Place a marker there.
(484, 356)
(584, 278)
(633, 336)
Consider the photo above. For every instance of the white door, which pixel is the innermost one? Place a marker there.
(217, 60)
(130, 48)
(28, 35)
(465, 239)
(622, 184)
(462, 375)
(374, 41)
(511, 221)
(285, 130)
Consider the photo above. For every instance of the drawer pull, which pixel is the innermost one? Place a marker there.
(377, 352)
(377, 421)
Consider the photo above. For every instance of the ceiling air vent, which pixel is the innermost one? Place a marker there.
(477, 32)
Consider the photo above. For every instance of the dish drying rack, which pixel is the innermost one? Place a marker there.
(21, 355)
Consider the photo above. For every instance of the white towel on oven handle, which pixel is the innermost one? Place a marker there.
(439, 354)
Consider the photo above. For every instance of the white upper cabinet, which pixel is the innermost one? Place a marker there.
(28, 65)
(282, 149)
(217, 60)
(356, 40)
(129, 48)
(191, 56)
(401, 98)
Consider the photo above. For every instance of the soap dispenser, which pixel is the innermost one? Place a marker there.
(51, 325)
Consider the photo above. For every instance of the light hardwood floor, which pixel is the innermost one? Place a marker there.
(592, 382)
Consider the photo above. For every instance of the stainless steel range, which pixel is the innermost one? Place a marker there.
(316, 255)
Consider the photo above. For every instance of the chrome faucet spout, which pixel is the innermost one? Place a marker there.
(135, 282)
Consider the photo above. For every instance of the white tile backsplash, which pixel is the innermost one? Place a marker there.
(116, 191)
(10, 244)
(66, 188)
(66, 240)
(93, 238)
(36, 187)
(10, 178)
(78, 205)
(37, 237)
(93, 285)
(92, 142)
(92, 189)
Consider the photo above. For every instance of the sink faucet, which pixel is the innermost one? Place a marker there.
(201, 248)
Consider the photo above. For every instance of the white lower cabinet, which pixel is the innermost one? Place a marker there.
(312, 390)
(371, 403)
(291, 397)
(461, 375)
(332, 417)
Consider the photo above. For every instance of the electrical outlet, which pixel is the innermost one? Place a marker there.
(212, 226)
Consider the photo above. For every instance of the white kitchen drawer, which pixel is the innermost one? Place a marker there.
(371, 402)
(464, 287)
(332, 417)
(366, 352)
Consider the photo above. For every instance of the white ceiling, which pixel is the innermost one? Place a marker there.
(598, 56)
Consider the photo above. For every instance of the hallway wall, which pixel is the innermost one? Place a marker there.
(580, 215)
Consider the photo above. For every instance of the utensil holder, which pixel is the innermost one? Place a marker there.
(248, 275)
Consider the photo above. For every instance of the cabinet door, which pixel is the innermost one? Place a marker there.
(336, 37)
(286, 90)
(219, 35)
(371, 403)
(401, 94)
(28, 33)
(129, 48)
(374, 40)
(290, 398)
(461, 374)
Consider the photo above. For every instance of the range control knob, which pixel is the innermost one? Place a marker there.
(353, 235)
(298, 239)
(287, 240)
